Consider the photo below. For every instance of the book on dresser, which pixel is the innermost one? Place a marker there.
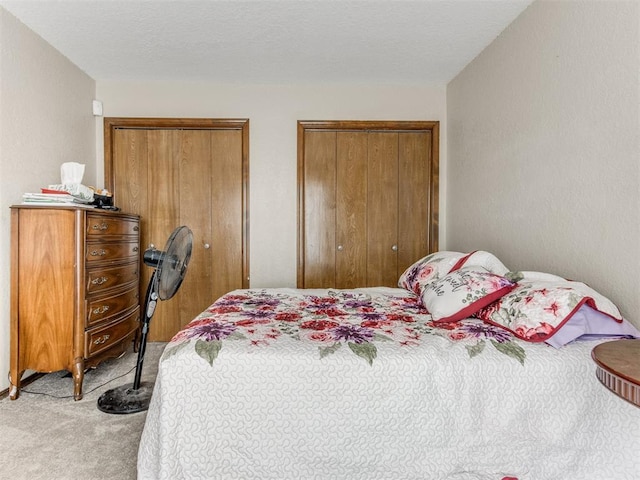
(75, 289)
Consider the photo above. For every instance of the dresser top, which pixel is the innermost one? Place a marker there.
(94, 210)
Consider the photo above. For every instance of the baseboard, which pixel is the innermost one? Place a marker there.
(23, 383)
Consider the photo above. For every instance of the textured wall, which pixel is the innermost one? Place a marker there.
(543, 159)
(45, 120)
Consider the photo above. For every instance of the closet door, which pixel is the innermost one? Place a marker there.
(351, 210)
(335, 215)
(163, 215)
(367, 201)
(228, 249)
(382, 209)
(319, 230)
(195, 177)
(415, 188)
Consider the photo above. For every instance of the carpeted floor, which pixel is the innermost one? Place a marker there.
(43, 437)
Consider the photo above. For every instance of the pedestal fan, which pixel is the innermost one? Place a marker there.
(170, 269)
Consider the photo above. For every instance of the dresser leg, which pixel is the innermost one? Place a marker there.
(78, 377)
(14, 383)
(13, 392)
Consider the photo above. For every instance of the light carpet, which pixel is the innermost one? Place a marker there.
(43, 437)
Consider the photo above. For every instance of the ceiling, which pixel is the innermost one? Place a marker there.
(270, 41)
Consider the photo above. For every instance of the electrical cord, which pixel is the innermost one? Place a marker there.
(84, 393)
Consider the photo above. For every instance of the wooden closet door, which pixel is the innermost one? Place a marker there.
(193, 177)
(351, 210)
(414, 191)
(146, 164)
(382, 209)
(367, 203)
(227, 207)
(163, 216)
(320, 210)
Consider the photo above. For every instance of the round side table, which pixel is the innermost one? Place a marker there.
(619, 367)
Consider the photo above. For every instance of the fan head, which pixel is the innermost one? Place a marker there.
(171, 264)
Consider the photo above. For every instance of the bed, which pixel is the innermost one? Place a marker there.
(459, 373)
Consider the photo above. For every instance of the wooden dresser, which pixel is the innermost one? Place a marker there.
(74, 289)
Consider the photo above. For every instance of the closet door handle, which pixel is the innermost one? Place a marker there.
(340, 248)
(394, 248)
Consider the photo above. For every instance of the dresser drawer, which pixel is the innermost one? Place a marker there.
(99, 279)
(107, 225)
(102, 338)
(110, 251)
(103, 307)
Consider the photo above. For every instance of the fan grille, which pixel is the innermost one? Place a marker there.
(174, 261)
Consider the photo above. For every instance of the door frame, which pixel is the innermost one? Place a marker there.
(371, 125)
(113, 123)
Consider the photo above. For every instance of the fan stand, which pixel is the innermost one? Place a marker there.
(134, 397)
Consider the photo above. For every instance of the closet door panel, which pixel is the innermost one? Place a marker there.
(130, 156)
(164, 148)
(196, 190)
(319, 209)
(226, 202)
(413, 197)
(382, 208)
(351, 210)
(130, 163)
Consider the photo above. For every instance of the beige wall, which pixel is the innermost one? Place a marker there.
(45, 120)
(273, 112)
(544, 147)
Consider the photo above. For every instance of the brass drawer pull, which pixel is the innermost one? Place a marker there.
(101, 309)
(102, 226)
(99, 253)
(101, 339)
(99, 281)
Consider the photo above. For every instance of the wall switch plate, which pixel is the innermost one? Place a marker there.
(97, 108)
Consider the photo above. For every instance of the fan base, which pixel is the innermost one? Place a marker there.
(124, 399)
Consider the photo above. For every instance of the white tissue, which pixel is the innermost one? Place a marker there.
(71, 174)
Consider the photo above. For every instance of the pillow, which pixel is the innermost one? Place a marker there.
(462, 293)
(427, 270)
(589, 324)
(483, 259)
(541, 304)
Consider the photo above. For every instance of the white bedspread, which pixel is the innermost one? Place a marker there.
(258, 393)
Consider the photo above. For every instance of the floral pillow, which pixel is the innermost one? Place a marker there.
(483, 259)
(463, 292)
(428, 269)
(541, 304)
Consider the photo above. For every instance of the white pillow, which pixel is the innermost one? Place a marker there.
(427, 270)
(483, 259)
(463, 292)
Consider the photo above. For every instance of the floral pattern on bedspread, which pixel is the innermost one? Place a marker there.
(330, 322)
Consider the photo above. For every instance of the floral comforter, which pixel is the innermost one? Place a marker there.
(361, 384)
(330, 320)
